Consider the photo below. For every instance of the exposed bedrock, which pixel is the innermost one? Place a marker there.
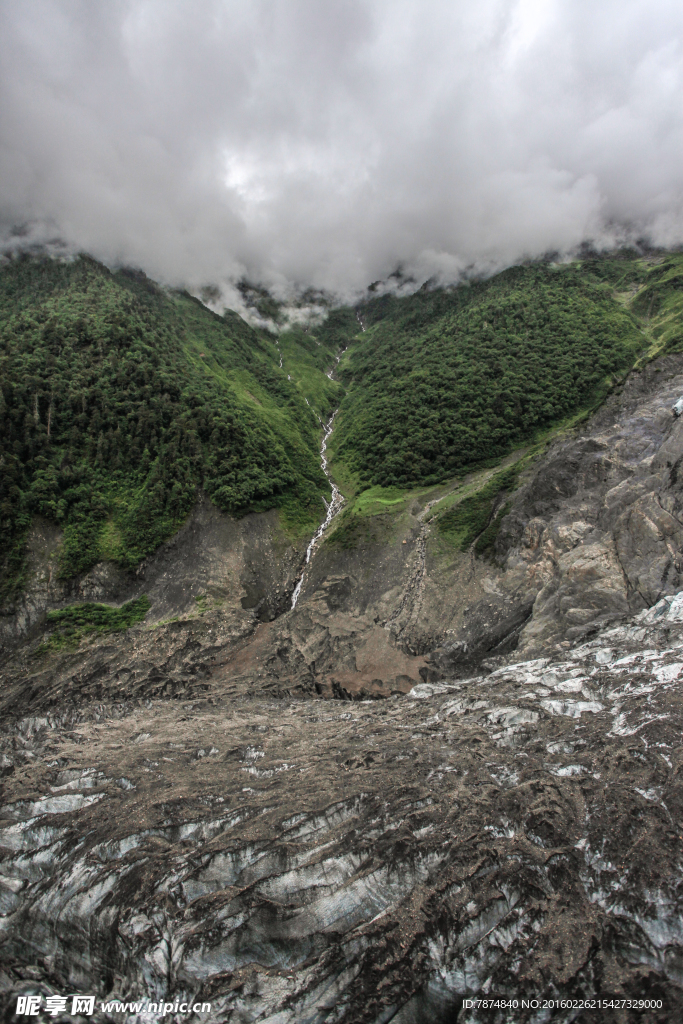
(595, 533)
(183, 814)
(247, 565)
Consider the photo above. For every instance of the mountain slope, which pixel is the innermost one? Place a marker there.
(182, 813)
(119, 401)
(445, 379)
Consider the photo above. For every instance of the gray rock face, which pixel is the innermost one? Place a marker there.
(183, 816)
(243, 566)
(596, 532)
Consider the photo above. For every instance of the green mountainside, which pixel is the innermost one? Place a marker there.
(119, 400)
(448, 379)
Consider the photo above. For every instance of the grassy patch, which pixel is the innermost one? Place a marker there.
(111, 543)
(375, 500)
(72, 624)
(471, 519)
(355, 531)
(370, 516)
(307, 360)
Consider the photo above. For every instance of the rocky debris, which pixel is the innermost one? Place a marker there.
(173, 661)
(517, 832)
(213, 562)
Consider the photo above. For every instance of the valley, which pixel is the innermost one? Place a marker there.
(351, 740)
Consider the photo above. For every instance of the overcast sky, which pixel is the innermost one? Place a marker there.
(324, 142)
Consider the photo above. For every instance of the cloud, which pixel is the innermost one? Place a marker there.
(323, 144)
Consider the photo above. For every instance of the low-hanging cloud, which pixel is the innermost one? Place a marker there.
(323, 144)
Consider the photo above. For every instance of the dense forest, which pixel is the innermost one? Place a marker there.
(447, 379)
(119, 400)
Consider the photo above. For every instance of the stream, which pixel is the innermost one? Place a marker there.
(334, 506)
(337, 500)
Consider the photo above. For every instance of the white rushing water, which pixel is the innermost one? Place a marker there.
(334, 506)
(336, 364)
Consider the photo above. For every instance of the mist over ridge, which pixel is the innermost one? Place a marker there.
(307, 145)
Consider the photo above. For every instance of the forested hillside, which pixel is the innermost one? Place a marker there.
(118, 400)
(447, 379)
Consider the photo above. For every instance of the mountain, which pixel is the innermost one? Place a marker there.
(444, 380)
(452, 770)
(121, 401)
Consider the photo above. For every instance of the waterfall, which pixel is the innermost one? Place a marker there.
(334, 506)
